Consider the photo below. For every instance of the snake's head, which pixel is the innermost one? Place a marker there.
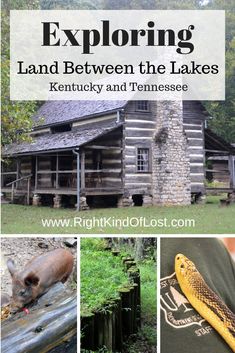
(184, 268)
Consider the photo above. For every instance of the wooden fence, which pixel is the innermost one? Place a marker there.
(118, 319)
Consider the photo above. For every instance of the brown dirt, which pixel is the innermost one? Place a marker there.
(21, 250)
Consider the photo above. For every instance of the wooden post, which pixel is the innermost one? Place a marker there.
(99, 329)
(17, 172)
(132, 308)
(129, 264)
(107, 333)
(125, 294)
(82, 170)
(28, 190)
(123, 163)
(2, 176)
(77, 153)
(12, 193)
(231, 171)
(135, 308)
(134, 274)
(57, 172)
(118, 326)
(87, 330)
(36, 173)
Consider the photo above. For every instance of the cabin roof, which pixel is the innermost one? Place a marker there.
(216, 142)
(60, 141)
(60, 112)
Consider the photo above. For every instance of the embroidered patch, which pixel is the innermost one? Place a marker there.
(178, 311)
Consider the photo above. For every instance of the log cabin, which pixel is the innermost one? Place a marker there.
(220, 165)
(110, 153)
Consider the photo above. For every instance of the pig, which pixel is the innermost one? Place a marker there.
(38, 275)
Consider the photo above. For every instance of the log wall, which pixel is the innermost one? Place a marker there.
(45, 178)
(194, 129)
(139, 130)
(25, 167)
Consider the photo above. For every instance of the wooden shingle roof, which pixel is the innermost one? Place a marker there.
(59, 112)
(60, 141)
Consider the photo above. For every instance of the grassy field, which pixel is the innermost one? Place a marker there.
(194, 219)
(146, 338)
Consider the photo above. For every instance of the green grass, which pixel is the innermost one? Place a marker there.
(101, 276)
(208, 218)
(148, 289)
(146, 338)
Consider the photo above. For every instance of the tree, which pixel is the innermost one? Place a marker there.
(223, 112)
(139, 248)
(180, 299)
(16, 115)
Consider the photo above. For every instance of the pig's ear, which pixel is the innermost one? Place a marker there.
(11, 267)
(31, 280)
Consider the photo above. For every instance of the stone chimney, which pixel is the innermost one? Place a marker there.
(170, 156)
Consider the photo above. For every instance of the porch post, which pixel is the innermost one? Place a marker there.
(122, 159)
(36, 173)
(231, 171)
(78, 181)
(82, 170)
(57, 172)
(28, 191)
(78, 177)
(17, 172)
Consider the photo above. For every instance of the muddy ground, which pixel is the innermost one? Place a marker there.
(21, 250)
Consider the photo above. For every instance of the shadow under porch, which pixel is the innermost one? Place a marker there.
(54, 178)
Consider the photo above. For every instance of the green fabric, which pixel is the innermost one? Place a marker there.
(182, 330)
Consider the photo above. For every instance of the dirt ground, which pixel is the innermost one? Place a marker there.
(21, 250)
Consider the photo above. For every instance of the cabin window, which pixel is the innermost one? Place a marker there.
(97, 159)
(142, 106)
(143, 160)
(61, 128)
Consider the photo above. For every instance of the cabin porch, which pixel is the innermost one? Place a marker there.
(47, 178)
(220, 166)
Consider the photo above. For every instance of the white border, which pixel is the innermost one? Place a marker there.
(158, 263)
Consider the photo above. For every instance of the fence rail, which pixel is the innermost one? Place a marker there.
(14, 183)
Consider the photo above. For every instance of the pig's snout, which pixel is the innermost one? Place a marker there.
(16, 305)
(14, 309)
